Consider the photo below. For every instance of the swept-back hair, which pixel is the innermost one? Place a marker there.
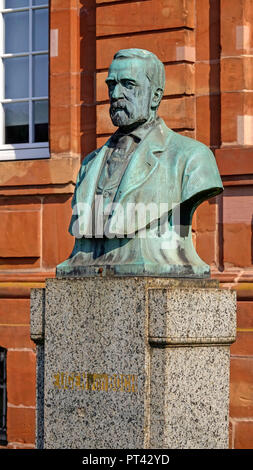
(154, 67)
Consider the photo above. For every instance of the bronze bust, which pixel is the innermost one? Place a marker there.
(135, 197)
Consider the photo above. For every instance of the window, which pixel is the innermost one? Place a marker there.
(24, 79)
(3, 399)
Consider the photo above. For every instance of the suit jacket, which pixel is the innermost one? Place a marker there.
(166, 169)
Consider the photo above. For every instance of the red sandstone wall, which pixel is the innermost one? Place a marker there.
(206, 46)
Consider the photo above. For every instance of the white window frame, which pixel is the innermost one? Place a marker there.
(31, 150)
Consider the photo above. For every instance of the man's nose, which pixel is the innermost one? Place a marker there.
(117, 92)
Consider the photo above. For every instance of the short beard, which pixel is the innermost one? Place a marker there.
(123, 118)
(120, 117)
(125, 114)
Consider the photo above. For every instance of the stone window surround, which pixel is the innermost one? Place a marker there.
(26, 150)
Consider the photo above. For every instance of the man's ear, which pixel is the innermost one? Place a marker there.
(157, 96)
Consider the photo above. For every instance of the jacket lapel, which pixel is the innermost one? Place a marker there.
(144, 160)
(143, 163)
(89, 180)
(84, 198)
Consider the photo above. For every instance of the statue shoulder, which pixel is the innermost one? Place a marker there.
(190, 147)
(88, 158)
(198, 165)
(87, 161)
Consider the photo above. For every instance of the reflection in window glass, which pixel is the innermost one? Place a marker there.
(25, 72)
(40, 121)
(16, 123)
(16, 77)
(40, 75)
(1, 407)
(3, 401)
(16, 3)
(40, 2)
(40, 30)
(1, 371)
(16, 32)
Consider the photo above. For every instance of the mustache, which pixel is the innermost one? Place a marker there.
(119, 105)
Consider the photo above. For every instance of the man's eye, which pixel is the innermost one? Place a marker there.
(111, 84)
(128, 84)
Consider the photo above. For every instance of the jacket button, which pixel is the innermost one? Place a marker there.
(106, 194)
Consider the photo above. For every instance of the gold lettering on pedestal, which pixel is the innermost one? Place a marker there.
(95, 382)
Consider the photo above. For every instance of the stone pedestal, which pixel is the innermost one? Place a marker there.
(132, 363)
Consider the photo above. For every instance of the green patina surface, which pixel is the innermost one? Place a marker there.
(146, 181)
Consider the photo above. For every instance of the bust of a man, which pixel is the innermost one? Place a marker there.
(135, 197)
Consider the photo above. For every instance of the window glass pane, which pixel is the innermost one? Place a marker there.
(2, 366)
(16, 32)
(40, 30)
(1, 408)
(40, 75)
(40, 113)
(16, 77)
(16, 3)
(40, 2)
(2, 396)
(16, 123)
(1, 372)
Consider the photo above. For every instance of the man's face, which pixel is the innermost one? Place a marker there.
(129, 92)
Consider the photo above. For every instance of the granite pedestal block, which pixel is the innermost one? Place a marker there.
(132, 362)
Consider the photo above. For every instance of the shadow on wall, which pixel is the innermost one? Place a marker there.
(214, 75)
(88, 75)
(252, 240)
(238, 226)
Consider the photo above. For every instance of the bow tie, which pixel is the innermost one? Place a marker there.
(122, 140)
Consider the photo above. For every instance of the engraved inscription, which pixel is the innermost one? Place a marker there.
(95, 382)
